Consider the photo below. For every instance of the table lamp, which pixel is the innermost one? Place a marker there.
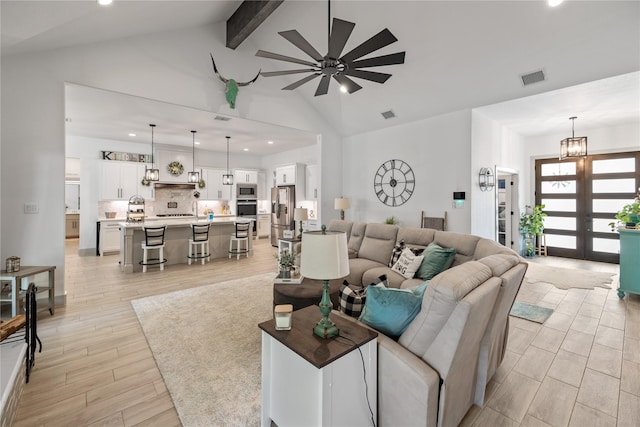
(341, 203)
(300, 214)
(325, 257)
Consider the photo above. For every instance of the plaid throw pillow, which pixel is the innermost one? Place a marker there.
(352, 299)
(395, 253)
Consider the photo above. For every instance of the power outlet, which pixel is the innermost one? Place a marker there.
(31, 208)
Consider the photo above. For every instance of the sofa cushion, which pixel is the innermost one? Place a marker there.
(357, 268)
(416, 237)
(440, 299)
(390, 310)
(488, 247)
(378, 241)
(464, 244)
(355, 239)
(408, 263)
(341, 225)
(394, 280)
(436, 260)
(500, 263)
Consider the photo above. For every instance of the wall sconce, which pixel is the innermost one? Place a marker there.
(486, 179)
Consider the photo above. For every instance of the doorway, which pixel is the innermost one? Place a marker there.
(581, 197)
(506, 207)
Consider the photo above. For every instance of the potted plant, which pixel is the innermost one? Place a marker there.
(286, 261)
(392, 220)
(628, 216)
(531, 226)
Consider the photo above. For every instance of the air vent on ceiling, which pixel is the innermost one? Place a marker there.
(535, 77)
(222, 118)
(388, 114)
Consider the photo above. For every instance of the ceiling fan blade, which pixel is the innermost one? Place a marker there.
(349, 84)
(380, 40)
(392, 59)
(270, 55)
(323, 86)
(367, 75)
(300, 82)
(340, 32)
(301, 43)
(284, 73)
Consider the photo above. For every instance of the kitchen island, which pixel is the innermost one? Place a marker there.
(176, 239)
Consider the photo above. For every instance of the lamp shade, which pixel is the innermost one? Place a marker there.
(341, 203)
(300, 214)
(325, 255)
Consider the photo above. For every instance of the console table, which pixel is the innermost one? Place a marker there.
(22, 276)
(307, 380)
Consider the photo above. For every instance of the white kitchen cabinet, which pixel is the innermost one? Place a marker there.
(119, 180)
(109, 237)
(311, 182)
(293, 175)
(262, 186)
(242, 176)
(264, 225)
(214, 189)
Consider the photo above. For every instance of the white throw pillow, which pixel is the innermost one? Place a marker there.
(408, 263)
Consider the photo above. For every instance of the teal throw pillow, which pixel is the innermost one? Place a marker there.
(436, 260)
(391, 310)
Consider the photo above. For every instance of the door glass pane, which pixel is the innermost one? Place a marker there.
(601, 225)
(606, 245)
(560, 223)
(558, 169)
(614, 165)
(625, 185)
(558, 241)
(558, 187)
(560, 205)
(608, 205)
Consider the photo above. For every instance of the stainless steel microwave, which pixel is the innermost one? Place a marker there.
(246, 191)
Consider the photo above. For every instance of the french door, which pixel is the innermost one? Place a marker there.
(581, 197)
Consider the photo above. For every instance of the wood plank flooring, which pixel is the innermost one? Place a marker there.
(581, 368)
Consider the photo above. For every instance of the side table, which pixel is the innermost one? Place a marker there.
(629, 265)
(22, 276)
(307, 380)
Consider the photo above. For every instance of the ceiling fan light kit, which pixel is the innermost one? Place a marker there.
(341, 68)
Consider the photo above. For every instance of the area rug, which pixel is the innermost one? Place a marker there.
(531, 312)
(207, 345)
(565, 278)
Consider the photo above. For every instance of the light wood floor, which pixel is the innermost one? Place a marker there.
(582, 368)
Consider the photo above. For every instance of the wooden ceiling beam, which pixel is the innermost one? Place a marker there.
(247, 17)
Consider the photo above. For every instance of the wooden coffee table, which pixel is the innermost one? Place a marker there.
(307, 293)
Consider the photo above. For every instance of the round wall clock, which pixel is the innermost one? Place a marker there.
(394, 182)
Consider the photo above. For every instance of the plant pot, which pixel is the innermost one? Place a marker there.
(285, 274)
(528, 246)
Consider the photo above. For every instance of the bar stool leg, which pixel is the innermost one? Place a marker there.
(208, 252)
(144, 260)
(230, 247)
(202, 251)
(161, 257)
(190, 252)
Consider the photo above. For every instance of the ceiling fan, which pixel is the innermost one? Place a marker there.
(334, 65)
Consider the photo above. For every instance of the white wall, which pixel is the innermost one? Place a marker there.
(437, 149)
(172, 67)
(493, 145)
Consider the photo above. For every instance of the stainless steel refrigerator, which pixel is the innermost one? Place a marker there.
(283, 201)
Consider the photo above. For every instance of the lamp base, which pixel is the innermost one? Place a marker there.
(326, 330)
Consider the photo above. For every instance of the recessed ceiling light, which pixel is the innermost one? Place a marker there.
(245, 149)
(132, 134)
(105, 2)
(269, 142)
(554, 3)
(197, 142)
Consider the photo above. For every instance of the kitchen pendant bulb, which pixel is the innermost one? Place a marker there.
(227, 178)
(193, 176)
(152, 174)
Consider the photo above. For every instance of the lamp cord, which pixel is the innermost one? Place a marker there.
(364, 376)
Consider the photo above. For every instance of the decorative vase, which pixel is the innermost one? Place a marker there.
(529, 245)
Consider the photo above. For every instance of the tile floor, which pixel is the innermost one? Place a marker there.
(580, 368)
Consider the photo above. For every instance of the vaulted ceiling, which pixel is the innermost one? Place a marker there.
(459, 54)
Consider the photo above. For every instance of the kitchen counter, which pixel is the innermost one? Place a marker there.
(176, 238)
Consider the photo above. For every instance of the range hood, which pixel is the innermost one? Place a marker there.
(175, 185)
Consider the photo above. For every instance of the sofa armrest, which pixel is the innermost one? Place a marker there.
(408, 387)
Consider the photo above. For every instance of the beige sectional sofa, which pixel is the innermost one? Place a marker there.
(442, 362)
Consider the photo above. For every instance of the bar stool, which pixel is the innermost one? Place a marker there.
(200, 240)
(154, 239)
(241, 236)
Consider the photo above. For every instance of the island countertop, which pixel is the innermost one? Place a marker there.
(183, 221)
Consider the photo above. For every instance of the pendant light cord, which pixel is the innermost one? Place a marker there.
(329, 24)
(228, 171)
(193, 151)
(152, 161)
